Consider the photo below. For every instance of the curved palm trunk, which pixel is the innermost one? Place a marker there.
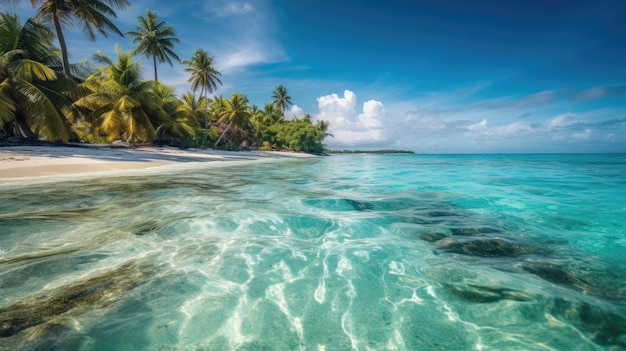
(206, 117)
(21, 129)
(63, 45)
(223, 133)
(156, 78)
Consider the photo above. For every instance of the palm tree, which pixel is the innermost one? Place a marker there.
(154, 39)
(323, 126)
(90, 15)
(193, 107)
(121, 104)
(33, 98)
(236, 113)
(271, 115)
(203, 76)
(179, 121)
(282, 100)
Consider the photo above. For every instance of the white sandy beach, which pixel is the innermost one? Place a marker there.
(40, 162)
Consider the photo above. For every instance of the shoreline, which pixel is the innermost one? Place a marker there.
(41, 163)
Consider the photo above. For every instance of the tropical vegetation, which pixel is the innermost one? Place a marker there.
(155, 39)
(44, 97)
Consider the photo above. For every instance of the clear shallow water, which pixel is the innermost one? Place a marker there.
(334, 253)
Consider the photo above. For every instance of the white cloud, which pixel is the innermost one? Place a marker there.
(239, 34)
(562, 121)
(584, 135)
(372, 112)
(480, 126)
(515, 129)
(349, 127)
(333, 103)
(295, 111)
(247, 55)
(228, 8)
(424, 123)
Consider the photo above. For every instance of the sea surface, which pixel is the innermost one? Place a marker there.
(346, 252)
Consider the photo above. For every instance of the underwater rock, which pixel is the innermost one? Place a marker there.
(45, 309)
(550, 272)
(148, 229)
(484, 294)
(48, 214)
(587, 280)
(491, 247)
(432, 237)
(23, 260)
(360, 206)
(606, 327)
(473, 231)
(436, 214)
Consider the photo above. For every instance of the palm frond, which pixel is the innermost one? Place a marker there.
(7, 103)
(29, 70)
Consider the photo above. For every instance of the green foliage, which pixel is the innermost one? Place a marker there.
(267, 146)
(89, 15)
(33, 99)
(121, 105)
(235, 112)
(301, 136)
(154, 39)
(204, 77)
(282, 100)
(113, 101)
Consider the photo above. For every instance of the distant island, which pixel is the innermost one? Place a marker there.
(369, 152)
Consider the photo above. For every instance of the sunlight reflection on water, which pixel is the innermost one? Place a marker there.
(373, 253)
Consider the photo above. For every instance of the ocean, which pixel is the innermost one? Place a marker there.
(346, 252)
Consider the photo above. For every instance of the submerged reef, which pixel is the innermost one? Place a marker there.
(38, 313)
(487, 247)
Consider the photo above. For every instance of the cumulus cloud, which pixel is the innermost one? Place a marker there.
(372, 112)
(350, 127)
(295, 110)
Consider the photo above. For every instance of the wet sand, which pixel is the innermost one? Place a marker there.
(41, 162)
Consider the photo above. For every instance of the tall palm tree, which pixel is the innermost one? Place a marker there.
(271, 114)
(90, 15)
(121, 104)
(282, 99)
(236, 113)
(154, 39)
(33, 99)
(203, 76)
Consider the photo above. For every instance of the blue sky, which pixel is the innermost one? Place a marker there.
(429, 76)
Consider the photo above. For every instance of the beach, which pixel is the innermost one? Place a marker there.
(44, 162)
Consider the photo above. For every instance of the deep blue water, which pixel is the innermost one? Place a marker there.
(355, 252)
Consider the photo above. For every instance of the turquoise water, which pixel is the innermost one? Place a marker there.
(391, 252)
